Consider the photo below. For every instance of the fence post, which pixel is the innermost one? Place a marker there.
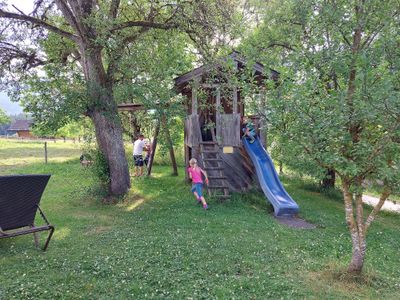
(45, 152)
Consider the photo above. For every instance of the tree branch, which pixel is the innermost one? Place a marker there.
(26, 60)
(385, 194)
(144, 24)
(32, 20)
(114, 9)
(69, 16)
(367, 42)
(278, 44)
(112, 67)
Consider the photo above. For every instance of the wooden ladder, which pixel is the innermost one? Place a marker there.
(213, 165)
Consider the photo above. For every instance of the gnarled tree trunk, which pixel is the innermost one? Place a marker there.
(109, 139)
(107, 124)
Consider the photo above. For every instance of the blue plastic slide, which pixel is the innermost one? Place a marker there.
(272, 187)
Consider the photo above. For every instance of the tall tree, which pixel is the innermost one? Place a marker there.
(91, 39)
(341, 63)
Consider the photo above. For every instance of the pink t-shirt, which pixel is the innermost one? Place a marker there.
(196, 175)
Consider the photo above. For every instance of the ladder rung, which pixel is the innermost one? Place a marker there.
(206, 151)
(222, 196)
(213, 168)
(217, 177)
(217, 187)
(212, 159)
(208, 143)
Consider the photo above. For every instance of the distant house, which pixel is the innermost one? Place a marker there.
(22, 128)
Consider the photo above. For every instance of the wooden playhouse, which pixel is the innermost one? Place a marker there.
(214, 111)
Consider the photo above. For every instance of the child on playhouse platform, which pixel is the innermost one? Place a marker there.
(248, 130)
(197, 182)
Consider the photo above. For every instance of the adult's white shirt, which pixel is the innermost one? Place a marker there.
(138, 146)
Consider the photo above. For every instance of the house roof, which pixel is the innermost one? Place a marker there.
(197, 72)
(20, 125)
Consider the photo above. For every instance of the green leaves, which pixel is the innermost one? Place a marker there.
(4, 119)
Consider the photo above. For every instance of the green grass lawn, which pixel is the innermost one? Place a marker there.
(15, 153)
(158, 244)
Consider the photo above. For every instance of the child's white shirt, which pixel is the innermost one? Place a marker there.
(138, 146)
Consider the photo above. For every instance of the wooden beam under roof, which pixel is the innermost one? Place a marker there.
(130, 107)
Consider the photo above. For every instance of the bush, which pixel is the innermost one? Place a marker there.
(99, 166)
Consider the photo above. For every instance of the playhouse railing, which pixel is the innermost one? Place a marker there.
(228, 129)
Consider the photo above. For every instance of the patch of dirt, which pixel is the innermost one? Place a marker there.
(110, 200)
(295, 222)
(337, 278)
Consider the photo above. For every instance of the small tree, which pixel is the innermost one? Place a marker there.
(4, 119)
(341, 65)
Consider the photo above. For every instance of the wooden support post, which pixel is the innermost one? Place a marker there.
(218, 115)
(45, 152)
(263, 131)
(194, 97)
(153, 148)
(234, 100)
(170, 146)
(235, 90)
(186, 149)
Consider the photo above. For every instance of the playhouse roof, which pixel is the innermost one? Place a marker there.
(20, 125)
(259, 69)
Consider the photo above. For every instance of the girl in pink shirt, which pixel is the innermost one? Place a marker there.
(197, 182)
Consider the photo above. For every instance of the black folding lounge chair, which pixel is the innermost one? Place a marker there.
(19, 200)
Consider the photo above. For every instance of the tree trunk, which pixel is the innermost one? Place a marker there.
(329, 180)
(103, 111)
(354, 127)
(170, 146)
(109, 138)
(357, 260)
(356, 227)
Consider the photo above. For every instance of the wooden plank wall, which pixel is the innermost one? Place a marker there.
(193, 132)
(228, 129)
(240, 173)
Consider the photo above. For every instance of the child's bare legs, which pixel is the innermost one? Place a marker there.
(196, 195)
(136, 171)
(200, 197)
(203, 201)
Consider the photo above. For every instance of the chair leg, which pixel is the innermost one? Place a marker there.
(35, 238)
(48, 238)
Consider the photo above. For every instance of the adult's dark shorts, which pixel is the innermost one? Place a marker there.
(138, 160)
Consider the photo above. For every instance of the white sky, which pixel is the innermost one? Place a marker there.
(11, 108)
(25, 5)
